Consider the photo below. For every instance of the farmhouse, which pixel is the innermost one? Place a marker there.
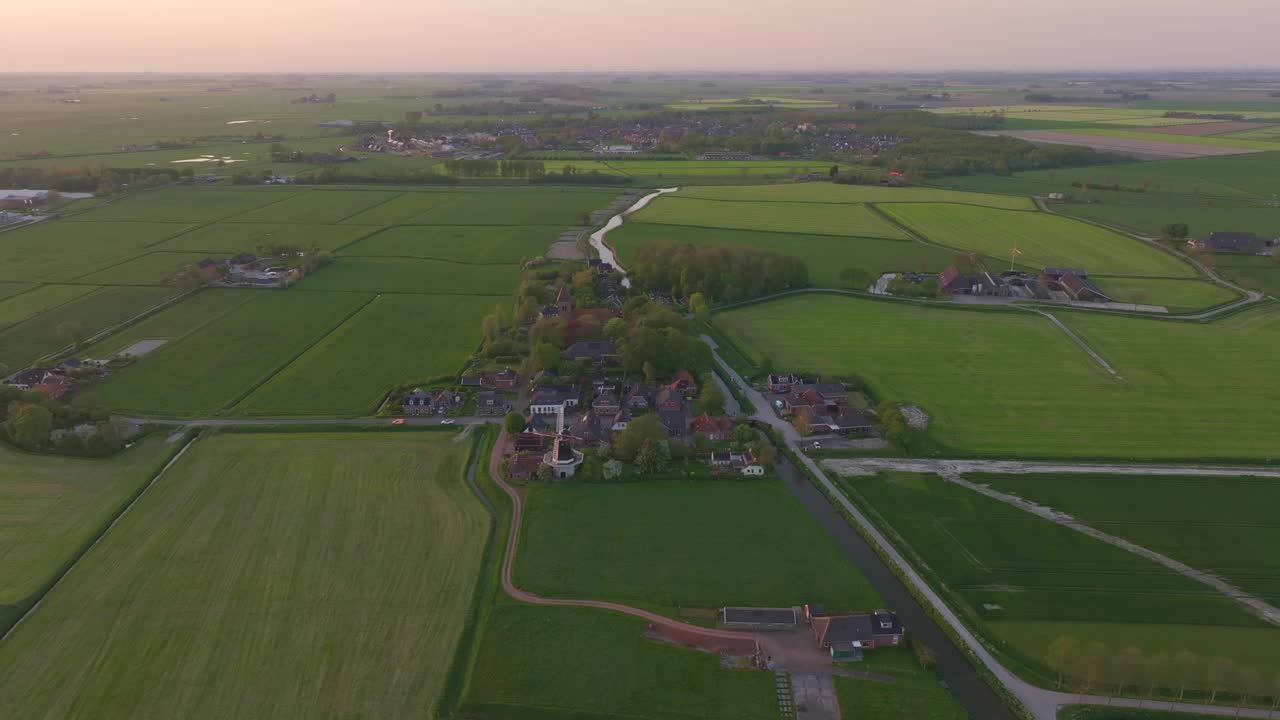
(550, 400)
(781, 383)
(1072, 282)
(489, 403)
(1241, 242)
(846, 636)
(976, 281)
(22, 199)
(417, 402)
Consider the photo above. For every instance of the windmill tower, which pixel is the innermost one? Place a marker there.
(562, 458)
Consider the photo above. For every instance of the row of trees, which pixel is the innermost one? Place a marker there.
(723, 272)
(495, 168)
(936, 151)
(1094, 668)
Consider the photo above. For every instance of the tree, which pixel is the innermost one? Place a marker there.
(1248, 685)
(650, 374)
(1090, 665)
(514, 423)
(491, 326)
(743, 434)
(545, 356)
(103, 442)
(653, 455)
(834, 172)
(71, 332)
(710, 400)
(29, 425)
(1174, 231)
(1185, 665)
(641, 430)
(699, 307)
(1125, 666)
(1061, 653)
(1218, 671)
(1156, 673)
(615, 329)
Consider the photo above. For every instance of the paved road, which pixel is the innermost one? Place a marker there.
(1042, 704)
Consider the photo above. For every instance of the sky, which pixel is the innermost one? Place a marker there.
(669, 35)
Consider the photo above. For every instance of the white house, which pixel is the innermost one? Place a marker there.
(753, 470)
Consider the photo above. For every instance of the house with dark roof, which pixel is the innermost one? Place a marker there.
(530, 442)
(974, 281)
(1237, 242)
(548, 400)
(417, 402)
(504, 379)
(524, 467)
(599, 352)
(564, 300)
(589, 429)
(846, 636)
(781, 383)
(676, 422)
(489, 403)
(607, 403)
(640, 396)
(1072, 282)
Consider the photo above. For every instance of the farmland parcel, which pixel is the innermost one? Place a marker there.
(1008, 383)
(264, 575)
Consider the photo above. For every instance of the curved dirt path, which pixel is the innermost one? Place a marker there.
(719, 640)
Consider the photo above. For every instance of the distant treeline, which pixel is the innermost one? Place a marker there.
(95, 180)
(1110, 97)
(720, 272)
(931, 151)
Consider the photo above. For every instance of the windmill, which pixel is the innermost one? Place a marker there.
(1013, 254)
(562, 458)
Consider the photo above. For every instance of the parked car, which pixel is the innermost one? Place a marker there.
(447, 421)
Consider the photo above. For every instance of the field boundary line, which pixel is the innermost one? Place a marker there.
(1078, 341)
(376, 230)
(86, 550)
(433, 259)
(108, 331)
(339, 221)
(230, 405)
(723, 228)
(1254, 604)
(4, 328)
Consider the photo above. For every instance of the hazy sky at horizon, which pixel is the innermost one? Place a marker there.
(544, 35)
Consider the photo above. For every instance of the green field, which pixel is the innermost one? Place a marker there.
(173, 323)
(316, 207)
(154, 268)
(1027, 581)
(226, 239)
(550, 662)
(1177, 295)
(9, 289)
(1044, 240)
(54, 507)
(702, 171)
(825, 255)
(915, 693)
(793, 217)
(1223, 525)
(59, 250)
(1250, 271)
(16, 308)
(672, 544)
(1007, 383)
(534, 206)
(1200, 220)
(408, 275)
(824, 192)
(94, 312)
(1216, 140)
(187, 205)
(372, 353)
(479, 244)
(265, 576)
(209, 370)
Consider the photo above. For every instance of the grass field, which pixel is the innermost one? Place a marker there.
(822, 192)
(818, 219)
(408, 275)
(825, 255)
(60, 250)
(25, 342)
(1250, 271)
(550, 662)
(402, 209)
(1177, 295)
(226, 239)
(193, 205)
(536, 206)
(1029, 581)
(265, 575)
(316, 207)
(1011, 384)
(1044, 240)
(671, 544)
(52, 507)
(154, 268)
(1215, 140)
(479, 244)
(372, 353)
(1200, 220)
(703, 171)
(16, 308)
(9, 289)
(209, 370)
(1223, 525)
(175, 322)
(915, 693)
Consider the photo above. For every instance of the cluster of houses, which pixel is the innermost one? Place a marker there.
(56, 382)
(1234, 242)
(1059, 284)
(246, 269)
(818, 407)
(488, 387)
(843, 637)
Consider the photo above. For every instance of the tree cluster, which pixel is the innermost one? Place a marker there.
(933, 151)
(495, 168)
(727, 273)
(27, 418)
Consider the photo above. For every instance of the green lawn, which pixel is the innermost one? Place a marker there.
(671, 544)
(403, 208)
(550, 662)
(176, 321)
(209, 370)
(1147, 219)
(226, 239)
(154, 268)
(60, 250)
(16, 308)
(1042, 239)
(1027, 581)
(406, 275)
(701, 171)
(479, 244)
(1223, 525)
(90, 313)
(825, 255)
(395, 339)
(534, 206)
(316, 207)
(793, 217)
(1250, 271)
(187, 205)
(825, 192)
(1177, 295)
(53, 507)
(275, 575)
(1000, 382)
(9, 289)
(915, 693)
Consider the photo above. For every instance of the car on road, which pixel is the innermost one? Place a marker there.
(447, 421)
(397, 421)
